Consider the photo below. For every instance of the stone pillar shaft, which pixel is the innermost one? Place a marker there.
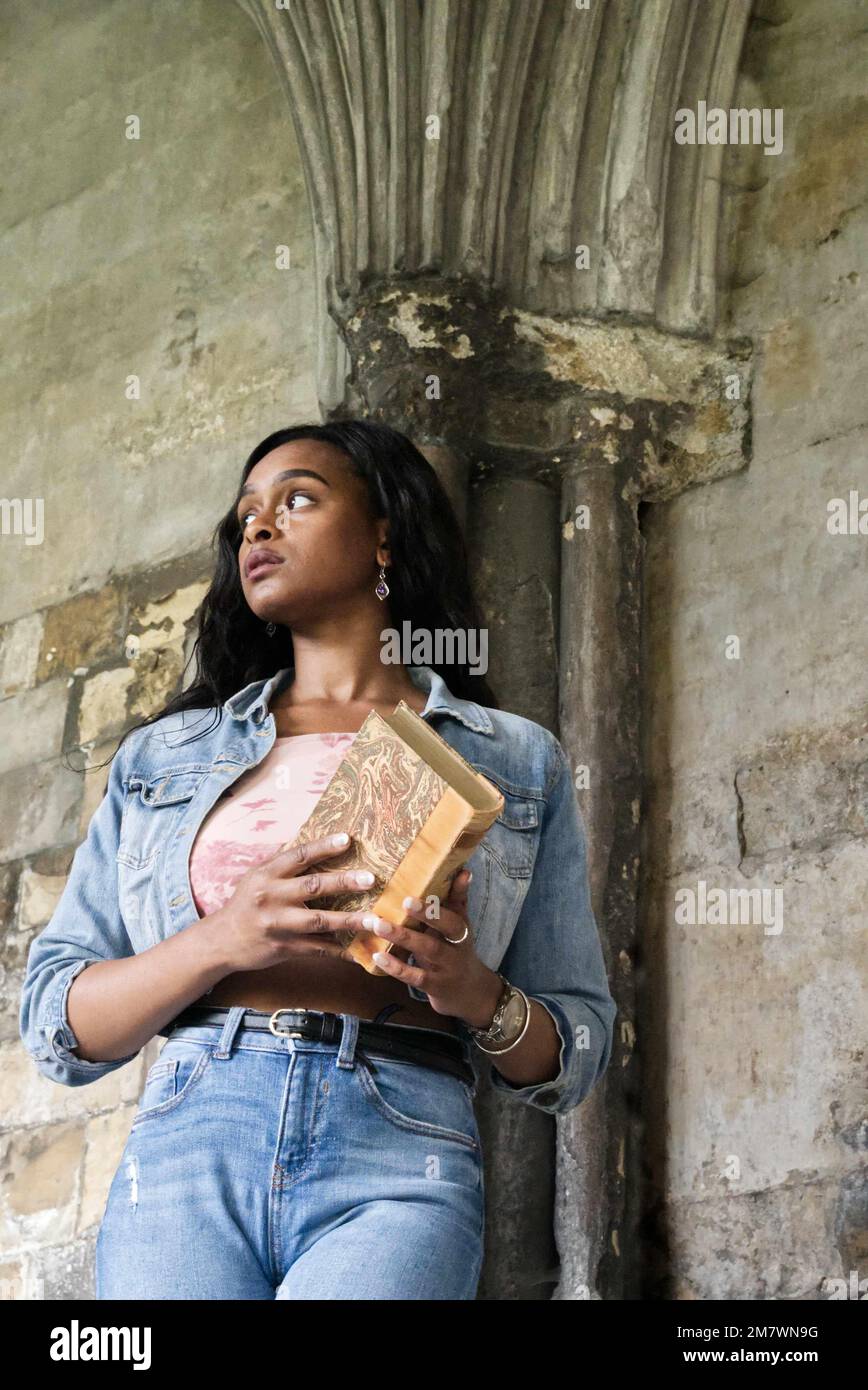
(599, 728)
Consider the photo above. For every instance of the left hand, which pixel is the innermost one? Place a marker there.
(455, 980)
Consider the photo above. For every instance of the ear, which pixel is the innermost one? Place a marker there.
(384, 556)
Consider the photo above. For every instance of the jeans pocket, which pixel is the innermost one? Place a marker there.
(175, 1074)
(419, 1099)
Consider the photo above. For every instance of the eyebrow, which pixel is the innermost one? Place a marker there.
(281, 477)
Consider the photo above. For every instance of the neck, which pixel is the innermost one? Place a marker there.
(339, 670)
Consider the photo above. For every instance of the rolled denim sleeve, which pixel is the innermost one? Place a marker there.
(556, 956)
(86, 926)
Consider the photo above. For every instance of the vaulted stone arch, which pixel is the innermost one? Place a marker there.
(457, 155)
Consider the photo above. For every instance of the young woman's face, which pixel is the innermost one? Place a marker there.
(302, 503)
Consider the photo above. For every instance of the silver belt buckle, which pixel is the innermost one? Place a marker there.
(283, 1032)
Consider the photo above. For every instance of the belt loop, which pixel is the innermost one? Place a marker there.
(387, 1010)
(347, 1050)
(230, 1028)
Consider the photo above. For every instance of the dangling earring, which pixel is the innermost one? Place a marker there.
(270, 629)
(382, 588)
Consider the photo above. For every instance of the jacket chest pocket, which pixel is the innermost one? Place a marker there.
(506, 859)
(152, 808)
(513, 838)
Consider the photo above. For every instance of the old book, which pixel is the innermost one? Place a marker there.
(415, 810)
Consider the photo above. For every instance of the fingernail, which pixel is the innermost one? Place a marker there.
(468, 874)
(369, 920)
(364, 876)
(342, 839)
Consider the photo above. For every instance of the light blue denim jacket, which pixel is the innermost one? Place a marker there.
(528, 902)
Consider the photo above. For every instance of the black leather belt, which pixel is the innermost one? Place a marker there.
(425, 1047)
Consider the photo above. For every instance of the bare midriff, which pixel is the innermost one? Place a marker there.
(323, 983)
(333, 986)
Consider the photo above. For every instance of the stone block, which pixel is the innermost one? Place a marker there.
(66, 1271)
(84, 631)
(13, 1280)
(29, 1098)
(804, 793)
(31, 725)
(20, 642)
(106, 1136)
(773, 1245)
(162, 622)
(38, 808)
(104, 704)
(41, 1170)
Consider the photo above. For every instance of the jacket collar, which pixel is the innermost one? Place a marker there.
(254, 700)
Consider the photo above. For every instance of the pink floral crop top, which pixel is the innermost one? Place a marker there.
(261, 811)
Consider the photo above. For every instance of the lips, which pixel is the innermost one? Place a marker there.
(258, 561)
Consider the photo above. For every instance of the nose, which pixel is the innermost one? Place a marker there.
(259, 528)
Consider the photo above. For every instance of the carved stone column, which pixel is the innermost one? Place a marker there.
(516, 266)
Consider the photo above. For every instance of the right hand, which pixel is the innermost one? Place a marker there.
(266, 921)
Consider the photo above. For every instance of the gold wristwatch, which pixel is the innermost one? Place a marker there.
(509, 1021)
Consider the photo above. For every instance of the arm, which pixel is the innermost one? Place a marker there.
(89, 1003)
(555, 955)
(535, 1058)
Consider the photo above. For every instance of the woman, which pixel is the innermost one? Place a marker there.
(308, 1129)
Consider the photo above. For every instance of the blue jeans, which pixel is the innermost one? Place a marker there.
(266, 1167)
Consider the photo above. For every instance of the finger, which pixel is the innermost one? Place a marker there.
(458, 891)
(295, 855)
(318, 883)
(449, 921)
(426, 947)
(455, 907)
(317, 945)
(296, 922)
(305, 937)
(408, 974)
(426, 914)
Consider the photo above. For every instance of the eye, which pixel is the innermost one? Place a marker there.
(280, 510)
(286, 508)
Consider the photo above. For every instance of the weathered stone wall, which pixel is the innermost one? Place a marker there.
(757, 767)
(62, 713)
(155, 258)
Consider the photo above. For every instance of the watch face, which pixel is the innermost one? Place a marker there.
(513, 1016)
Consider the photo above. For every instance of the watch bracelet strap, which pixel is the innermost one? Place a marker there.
(497, 1051)
(506, 989)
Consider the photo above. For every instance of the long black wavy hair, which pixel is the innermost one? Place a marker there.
(429, 583)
